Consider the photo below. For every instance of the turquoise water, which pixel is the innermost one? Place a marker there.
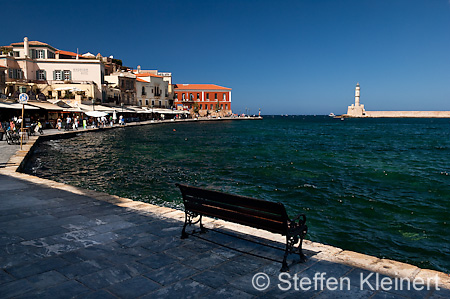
(376, 186)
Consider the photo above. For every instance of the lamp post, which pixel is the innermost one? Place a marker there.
(93, 104)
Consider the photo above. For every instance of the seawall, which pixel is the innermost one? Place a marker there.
(414, 114)
(400, 114)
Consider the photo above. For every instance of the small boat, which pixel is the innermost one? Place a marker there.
(331, 114)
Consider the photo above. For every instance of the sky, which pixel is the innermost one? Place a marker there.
(283, 57)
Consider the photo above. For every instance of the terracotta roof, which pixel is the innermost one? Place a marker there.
(147, 75)
(31, 42)
(68, 53)
(199, 87)
(141, 80)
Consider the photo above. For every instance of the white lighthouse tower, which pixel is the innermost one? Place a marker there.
(356, 110)
(357, 89)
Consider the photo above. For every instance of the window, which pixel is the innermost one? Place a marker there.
(160, 104)
(67, 75)
(183, 96)
(50, 54)
(40, 75)
(143, 91)
(226, 106)
(207, 96)
(146, 102)
(221, 106)
(40, 54)
(191, 96)
(62, 75)
(215, 96)
(224, 97)
(153, 102)
(211, 107)
(176, 96)
(198, 96)
(15, 74)
(57, 75)
(201, 106)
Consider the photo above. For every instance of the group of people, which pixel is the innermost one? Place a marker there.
(70, 124)
(14, 126)
(75, 122)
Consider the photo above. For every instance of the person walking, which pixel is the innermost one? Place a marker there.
(75, 123)
(68, 123)
(59, 123)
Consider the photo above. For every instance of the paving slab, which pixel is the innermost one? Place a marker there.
(61, 241)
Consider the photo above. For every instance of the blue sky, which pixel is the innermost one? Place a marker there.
(285, 57)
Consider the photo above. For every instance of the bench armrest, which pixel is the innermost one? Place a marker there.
(300, 218)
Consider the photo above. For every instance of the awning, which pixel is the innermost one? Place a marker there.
(74, 110)
(95, 107)
(46, 106)
(16, 106)
(95, 113)
(167, 111)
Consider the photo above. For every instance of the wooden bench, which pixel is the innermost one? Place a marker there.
(261, 214)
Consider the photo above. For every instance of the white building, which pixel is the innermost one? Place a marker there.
(152, 91)
(35, 67)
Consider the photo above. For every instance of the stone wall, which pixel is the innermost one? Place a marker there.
(421, 114)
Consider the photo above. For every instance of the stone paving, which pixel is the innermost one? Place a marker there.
(6, 152)
(60, 241)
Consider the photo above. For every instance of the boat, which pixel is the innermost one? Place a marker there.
(331, 114)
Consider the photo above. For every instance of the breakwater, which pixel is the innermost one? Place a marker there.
(373, 186)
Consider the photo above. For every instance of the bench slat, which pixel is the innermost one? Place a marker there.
(236, 200)
(236, 217)
(276, 215)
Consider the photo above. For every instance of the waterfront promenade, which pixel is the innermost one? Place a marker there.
(62, 241)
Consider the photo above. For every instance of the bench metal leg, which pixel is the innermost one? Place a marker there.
(202, 228)
(184, 235)
(285, 267)
(300, 250)
(188, 220)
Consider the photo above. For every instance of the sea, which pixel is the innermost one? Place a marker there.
(375, 186)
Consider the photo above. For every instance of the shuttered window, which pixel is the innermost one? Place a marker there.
(59, 75)
(41, 75)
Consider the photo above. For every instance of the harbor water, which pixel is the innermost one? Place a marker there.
(375, 186)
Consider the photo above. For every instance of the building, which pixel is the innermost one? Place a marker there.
(357, 110)
(122, 81)
(3, 71)
(152, 91)
(39, 69)
(203, 99)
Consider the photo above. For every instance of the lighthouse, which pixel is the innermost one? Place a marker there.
(357, 90)
(356, 109)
